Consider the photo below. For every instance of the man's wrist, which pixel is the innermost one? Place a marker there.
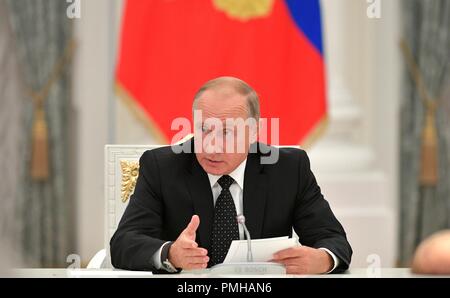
(332, 260)
(329, 263)
(165, 262)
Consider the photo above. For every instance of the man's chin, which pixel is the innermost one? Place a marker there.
(214, 170)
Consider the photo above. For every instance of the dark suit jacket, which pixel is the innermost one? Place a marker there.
(173, 187)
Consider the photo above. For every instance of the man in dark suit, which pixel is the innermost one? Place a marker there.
(182, 214)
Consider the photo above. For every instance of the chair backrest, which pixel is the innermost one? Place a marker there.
(121, 172)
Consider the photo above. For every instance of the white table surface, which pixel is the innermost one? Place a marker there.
(114, 273)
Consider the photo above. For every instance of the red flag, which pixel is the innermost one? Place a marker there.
(169, 48)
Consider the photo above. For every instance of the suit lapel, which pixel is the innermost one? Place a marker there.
(255, 195)
(202, 198)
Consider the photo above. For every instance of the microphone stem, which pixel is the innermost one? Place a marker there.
(249, 244)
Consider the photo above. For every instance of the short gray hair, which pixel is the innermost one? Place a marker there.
(240, 87)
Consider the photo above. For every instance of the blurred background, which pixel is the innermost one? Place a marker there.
(382, 158)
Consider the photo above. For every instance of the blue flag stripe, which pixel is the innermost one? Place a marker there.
(306, 14)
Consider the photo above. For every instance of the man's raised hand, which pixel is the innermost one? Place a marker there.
(185, 253)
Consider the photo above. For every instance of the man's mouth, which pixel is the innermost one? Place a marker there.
(213, 161)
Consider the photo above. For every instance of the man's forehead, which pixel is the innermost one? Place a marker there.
(212, 106)
(221, 94)
(212, 121)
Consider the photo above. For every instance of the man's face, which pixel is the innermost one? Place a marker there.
(220, 133)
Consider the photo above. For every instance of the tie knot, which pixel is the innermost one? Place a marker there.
(225, 181)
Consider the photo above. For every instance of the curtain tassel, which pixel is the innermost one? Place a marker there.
(40, 150)
(429, 150)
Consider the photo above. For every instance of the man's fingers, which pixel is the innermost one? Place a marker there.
(193, 225)
(188, 244)
(196, 252)
(290, 262)
(198, 260)
(292, 252)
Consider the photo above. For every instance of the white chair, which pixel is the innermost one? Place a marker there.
(121, 172)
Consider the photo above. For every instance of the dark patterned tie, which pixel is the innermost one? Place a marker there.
(225, 227)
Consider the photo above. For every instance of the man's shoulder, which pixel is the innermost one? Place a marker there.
(285, 153)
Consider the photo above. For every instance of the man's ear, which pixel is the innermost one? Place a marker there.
(254, 130)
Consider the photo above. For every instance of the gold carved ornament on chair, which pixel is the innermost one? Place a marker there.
(130, 173)
(40, 161)
(429, 147)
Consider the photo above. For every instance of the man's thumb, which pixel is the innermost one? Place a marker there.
(193, 225)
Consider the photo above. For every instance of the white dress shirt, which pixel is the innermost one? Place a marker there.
(237, 191)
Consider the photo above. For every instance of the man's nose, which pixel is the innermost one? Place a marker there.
(215, 145)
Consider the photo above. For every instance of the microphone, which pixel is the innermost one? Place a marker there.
(241, 220)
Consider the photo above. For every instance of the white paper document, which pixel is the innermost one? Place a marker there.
(262, 249)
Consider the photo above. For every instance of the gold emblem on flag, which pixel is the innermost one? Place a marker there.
(244, 10)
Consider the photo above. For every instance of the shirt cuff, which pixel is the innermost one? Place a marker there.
(156, 258)
(333, 256)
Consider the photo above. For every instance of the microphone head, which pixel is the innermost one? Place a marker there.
(240, 218)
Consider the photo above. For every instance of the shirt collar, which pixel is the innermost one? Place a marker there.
(237, 175)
